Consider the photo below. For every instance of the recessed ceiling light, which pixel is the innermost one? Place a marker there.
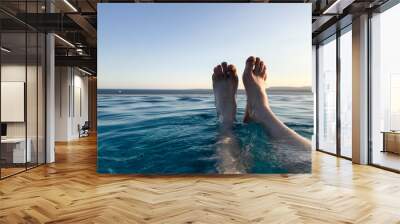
(70, 5)
(84, 71)
(5, 50)
(338, 6)
(65, 41)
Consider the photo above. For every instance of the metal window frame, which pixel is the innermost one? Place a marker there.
(337, 34)
(387, 5)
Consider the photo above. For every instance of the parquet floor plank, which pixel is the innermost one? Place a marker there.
(70, 191)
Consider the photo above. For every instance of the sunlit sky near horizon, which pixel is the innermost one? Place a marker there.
(176, 46)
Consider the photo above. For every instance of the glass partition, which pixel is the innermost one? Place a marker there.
(22, 77)
(14, 153)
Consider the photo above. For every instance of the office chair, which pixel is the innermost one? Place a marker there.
(84, 130)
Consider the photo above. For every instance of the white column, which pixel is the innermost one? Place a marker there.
(50, 92)
(360, 90)
(50, 99)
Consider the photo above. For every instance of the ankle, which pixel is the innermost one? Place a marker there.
(227, 116)
(261, 104)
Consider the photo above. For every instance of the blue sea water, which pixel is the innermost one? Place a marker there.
(176, 133)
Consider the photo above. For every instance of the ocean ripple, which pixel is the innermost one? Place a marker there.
(175, 134)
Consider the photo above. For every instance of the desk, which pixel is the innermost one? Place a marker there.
(18, 150)
(391, 141)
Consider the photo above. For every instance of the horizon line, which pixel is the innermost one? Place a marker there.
(287, 87)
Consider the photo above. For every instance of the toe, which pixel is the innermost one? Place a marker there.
(259, 68)
(224, 67)
(218, 72)
(231, 70)
(250, 63)
(257, 65)
(215, 70)
(233, 74)
(264, 72)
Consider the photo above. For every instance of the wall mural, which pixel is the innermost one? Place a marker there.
(204, 88)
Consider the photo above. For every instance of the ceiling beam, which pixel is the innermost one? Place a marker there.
(85, 25)
(338, 6)
(79, 61)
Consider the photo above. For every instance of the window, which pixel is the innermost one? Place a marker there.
(385, 89)
(327, 96)
(346, 93)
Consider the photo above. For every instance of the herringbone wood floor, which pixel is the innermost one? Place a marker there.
(70, 191)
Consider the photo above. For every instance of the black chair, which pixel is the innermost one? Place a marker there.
(84, 130)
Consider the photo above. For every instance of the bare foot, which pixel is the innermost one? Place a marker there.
(258, 108)
(254, 77)
(225, 84)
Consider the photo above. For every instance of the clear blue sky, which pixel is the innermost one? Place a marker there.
(176, 46)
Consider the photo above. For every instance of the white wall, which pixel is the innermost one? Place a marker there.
(81, 103)
(17, 73)
(13, 101)
(82, 82)
(33, 126)
(14, 72)
(62, 82)
(71, 87)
